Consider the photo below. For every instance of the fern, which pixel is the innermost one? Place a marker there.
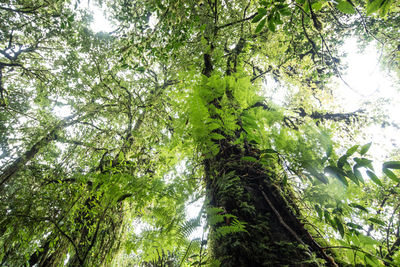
(235, 226)
(189, 249)
(188, 227)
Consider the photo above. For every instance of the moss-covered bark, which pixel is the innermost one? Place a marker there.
(274, 235)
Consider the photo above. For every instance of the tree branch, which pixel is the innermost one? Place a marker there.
(236, 22)
(24, 11)
(280, 219)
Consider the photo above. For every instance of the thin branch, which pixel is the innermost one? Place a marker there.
(236, 22)
(66, 236)
(95, 234)
(58, 228)
(24, 11)
(276, 212)
(79, 143)
(293, 233)
(4, 64)
(314, 46)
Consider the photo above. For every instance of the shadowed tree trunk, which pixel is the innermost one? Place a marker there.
(21, 161)
(274, 235)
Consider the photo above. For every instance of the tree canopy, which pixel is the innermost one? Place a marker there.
(108, 138)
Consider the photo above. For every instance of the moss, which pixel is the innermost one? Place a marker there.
(237, 187)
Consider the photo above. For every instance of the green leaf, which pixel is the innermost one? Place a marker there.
(351, 150)
(385, 7)
(363, 162)
(285, 11)
(391, 165)
(271, 25)
(342, 161)
(358, 174)
(329, 150)
(319, 211)
(269, 150)
(321, 177)
(373, 6)
(316, 6)
(121, 157)
(267, 156)
(306, 6)
(277, 18)
(257, 18)
(261, 25)
(374, 178)
(367, 240)
(371, 260)
(352, 177)
(365, 148)
(316, 174)
(358, 206)
(217, 136)
(327, 216)
(391, 175)
(250, 121)
(346, 7)
(339, 226)
(354, 226)
(337, 173)
(377, 221)
(285, 178)
(262, 11)
(251, 159)
(140, 69)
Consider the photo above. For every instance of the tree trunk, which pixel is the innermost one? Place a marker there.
(14, 167)
(250, 191)
(274, 235)
(40, 255)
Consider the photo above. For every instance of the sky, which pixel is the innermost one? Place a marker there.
(100, 22)
(365, 77)
(370, 84)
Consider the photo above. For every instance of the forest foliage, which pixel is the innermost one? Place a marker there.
(153, 104)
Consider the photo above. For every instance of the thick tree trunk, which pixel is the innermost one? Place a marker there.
(247, 190)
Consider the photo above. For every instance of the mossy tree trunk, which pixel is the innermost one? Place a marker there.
(274, 235)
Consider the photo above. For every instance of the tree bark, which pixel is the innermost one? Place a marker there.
(250, 192)
(21, 161)
(274, 235)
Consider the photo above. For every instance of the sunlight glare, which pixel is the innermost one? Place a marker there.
(367, 81)
(62, 111)
(153, 21)
(100, 22)
(369, 85)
